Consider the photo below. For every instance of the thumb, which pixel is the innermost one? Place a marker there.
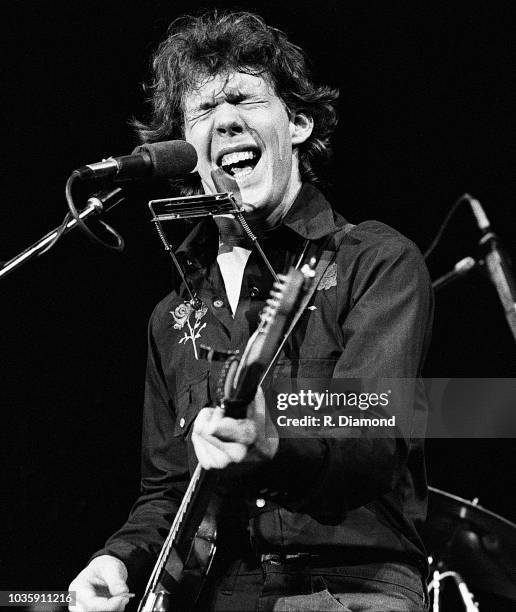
(257, 409)
(115, 604)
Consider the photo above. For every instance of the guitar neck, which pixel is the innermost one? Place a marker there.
(182, 533)
(195, 503)
(235, 404)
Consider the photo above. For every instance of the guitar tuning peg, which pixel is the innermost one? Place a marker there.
(308, 270)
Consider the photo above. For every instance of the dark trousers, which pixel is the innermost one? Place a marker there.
(299, 586)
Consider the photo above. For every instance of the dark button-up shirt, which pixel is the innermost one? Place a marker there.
(370, 317)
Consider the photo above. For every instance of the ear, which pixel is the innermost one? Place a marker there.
(301, 127)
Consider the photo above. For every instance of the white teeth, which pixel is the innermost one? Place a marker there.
(240, 173)
(237, 156)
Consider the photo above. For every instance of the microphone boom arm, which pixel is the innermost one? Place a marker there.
(95, 206)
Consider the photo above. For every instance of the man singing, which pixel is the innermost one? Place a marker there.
(311, 523)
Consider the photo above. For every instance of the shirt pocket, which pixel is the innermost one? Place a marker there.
(188, 402)
(292, 369)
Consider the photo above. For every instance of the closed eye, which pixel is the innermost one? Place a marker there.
(206, 108)
(199, 114)
(253, 101)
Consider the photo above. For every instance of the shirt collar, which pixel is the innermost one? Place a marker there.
(310, 216)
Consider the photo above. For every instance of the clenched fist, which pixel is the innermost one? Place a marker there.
(219, 440)
(101, 586)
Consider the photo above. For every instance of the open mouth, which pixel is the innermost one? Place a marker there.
(240, 164)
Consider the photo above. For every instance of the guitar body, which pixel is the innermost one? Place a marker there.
(190, 577)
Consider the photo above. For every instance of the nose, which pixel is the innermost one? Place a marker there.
(228, 121)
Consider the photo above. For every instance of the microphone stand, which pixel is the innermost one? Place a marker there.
(497, 263)
(96, 205)
(501, 277)
(465, 594)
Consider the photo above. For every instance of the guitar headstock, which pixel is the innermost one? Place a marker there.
(282, 298)
(286, 293)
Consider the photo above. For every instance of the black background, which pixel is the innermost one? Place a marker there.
(427, 113)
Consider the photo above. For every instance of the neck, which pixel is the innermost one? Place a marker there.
(261, 224)
(230, 231)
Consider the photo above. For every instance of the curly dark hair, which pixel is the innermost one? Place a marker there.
(219, 43)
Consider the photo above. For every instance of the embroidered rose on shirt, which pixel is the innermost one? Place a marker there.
(182, 315)
(329, 278)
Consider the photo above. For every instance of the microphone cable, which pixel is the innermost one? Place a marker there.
(440, 231)
(97, 200)
(119, 244)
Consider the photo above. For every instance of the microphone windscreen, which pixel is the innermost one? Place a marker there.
(170, 159)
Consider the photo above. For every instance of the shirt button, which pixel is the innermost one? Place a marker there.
(182, 423)
(254, 291)
(218, 303)
(260, 502)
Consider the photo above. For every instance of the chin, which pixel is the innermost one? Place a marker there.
(252, 209)
(260, 205)
(250, 198)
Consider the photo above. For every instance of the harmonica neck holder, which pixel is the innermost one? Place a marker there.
(195, 207)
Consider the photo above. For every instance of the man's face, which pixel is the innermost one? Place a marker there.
(237, 122)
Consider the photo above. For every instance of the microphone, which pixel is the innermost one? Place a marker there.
(170, 159)
(461, 268)
(497, 263)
